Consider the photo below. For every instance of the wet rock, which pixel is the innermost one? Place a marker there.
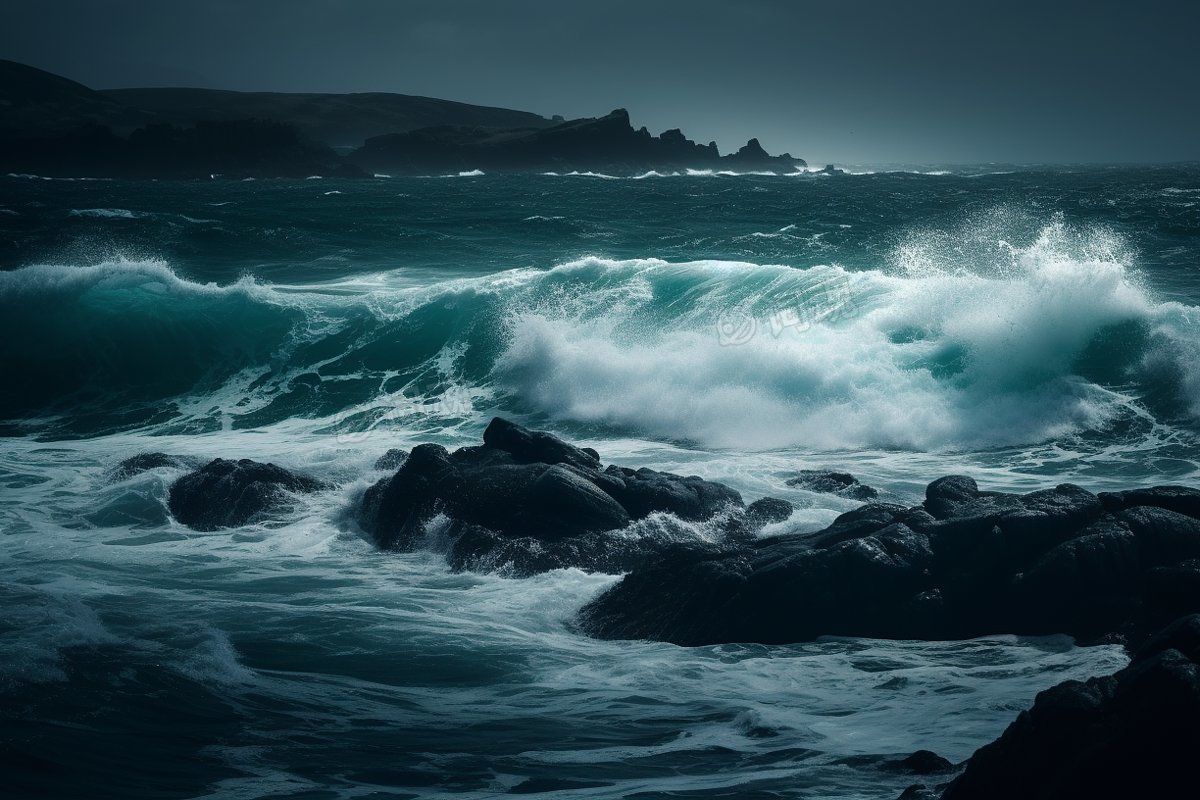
(227, 494)
(1179, 499)
(922, 762)
(560, 502)
(945, 496)
(1132, 734)
(526, 501)
(767, 511)
(842, 484)
(781, 593)
(966, 563)
(645, 491)
(611, 552)
(534, 447)
(855, 524)
(144, 462)
(395, 509)
(392, 460)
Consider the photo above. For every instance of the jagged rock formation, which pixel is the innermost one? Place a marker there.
(526, 502)
(843, 484)
(226, 494)
(965, 563)
(53, 126)
(603, 144)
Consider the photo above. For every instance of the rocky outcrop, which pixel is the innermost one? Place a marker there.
(527, 501)
(607, 144)
(964, 563)
(843, 484)
(226, 494)
(1132, 734)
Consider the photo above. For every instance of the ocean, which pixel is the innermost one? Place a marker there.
(1026, 326)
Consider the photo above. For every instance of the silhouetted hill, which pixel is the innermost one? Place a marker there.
(53, 126)
(232, 148)
(336, 119)
(35, 101)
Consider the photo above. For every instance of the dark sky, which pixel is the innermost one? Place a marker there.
(849, 81)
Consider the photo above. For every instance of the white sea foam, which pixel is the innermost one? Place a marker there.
(923, 355)
(107, 213)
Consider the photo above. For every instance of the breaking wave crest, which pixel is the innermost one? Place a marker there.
(958, 340)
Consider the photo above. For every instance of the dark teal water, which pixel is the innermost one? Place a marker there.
(1025, 326)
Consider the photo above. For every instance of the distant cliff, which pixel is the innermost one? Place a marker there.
(608, 144)
(53, 126)
(340, 120)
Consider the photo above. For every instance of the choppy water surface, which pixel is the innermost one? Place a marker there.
(1025, 326)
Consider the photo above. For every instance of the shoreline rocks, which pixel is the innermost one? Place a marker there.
(1130, 734)
(843, 484)
(226, 494)
(965, 563)
(527, 501)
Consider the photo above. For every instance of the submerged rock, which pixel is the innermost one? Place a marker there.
(527, 501)
(144, 462)
(965, 563)
(1132, 734)
(842, 484)
(227, 494)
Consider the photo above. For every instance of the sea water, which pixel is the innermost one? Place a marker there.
(1026, 326)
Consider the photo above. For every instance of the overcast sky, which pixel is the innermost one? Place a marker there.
(846, 81)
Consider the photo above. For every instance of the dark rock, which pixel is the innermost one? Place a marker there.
(945, 496)
(768, 510)
(1179, 499)
(532, 447)
(1183, 635)
(782, 593)
(482, 550)
(226, 494)
(967, 563)
(751, 152)
(855, 524)
(144, 462)
(646, 491)
(395, 509)
(1132, 734)
(1081, 585)
(1163, 537)
(526, 502)
(392, 459)
(562, 503)
(842, 484)
(922, 762)
(1167, 593)
(607, 144)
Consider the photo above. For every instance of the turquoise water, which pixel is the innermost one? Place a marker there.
(1026, 326)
